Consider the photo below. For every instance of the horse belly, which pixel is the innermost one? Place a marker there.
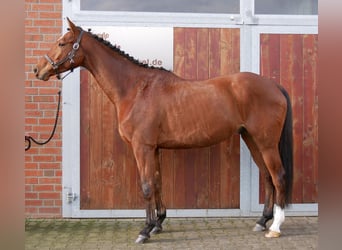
(199, 129)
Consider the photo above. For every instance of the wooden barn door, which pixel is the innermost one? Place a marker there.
(291, 59)
(195, 178)
(206, 177)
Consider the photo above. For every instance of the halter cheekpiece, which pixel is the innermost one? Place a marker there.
(69, 57)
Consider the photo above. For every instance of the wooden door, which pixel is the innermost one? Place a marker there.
(194, 178)
(206, 177)
(292, 61)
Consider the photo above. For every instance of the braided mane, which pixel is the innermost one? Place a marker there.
(122, 53)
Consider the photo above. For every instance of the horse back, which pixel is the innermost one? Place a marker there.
(178, 113)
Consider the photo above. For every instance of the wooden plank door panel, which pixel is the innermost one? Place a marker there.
(206, 177)
(291, 60)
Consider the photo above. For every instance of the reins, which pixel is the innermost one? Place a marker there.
(29, 138)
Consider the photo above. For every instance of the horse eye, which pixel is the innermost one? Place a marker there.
(61, 44)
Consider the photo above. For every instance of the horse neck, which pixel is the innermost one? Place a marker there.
(114, 73)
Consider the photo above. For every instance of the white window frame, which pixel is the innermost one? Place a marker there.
(251, 26)
(128, 18)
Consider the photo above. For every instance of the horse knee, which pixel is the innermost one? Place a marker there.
(147, 190)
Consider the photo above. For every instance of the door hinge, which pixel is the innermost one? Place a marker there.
(71, 196)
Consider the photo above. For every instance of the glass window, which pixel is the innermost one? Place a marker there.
(286, 7)
(190, 6)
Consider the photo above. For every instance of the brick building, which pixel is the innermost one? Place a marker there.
(43, 183)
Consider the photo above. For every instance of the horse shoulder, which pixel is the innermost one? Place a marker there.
(138, 116)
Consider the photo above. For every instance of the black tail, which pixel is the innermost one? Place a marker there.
(286, 148)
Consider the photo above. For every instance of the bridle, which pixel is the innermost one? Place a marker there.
(55, 65)
(69, 57)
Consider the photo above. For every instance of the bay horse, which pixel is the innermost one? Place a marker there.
(157, 109)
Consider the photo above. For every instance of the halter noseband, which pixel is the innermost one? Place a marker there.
(69, 57)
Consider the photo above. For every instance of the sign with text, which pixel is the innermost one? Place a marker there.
(150, 45)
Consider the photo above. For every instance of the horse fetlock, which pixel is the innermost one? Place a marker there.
(263, 220)
(157, 229)
(279, 218)
(161, 216)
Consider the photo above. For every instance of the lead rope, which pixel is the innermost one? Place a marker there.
(29, 138)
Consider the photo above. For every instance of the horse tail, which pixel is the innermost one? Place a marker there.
(286, 148)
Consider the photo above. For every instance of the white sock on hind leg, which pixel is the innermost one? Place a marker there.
(279, 218)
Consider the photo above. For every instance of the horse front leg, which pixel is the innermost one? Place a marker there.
(161, 209)
(146, 158)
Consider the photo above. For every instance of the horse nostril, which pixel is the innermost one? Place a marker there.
(35, 70)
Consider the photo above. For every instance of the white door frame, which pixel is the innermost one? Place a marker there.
(293, 209)
(251, 27)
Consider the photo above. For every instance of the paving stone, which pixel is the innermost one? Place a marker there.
(179, 233)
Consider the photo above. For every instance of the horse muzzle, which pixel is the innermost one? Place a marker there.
(44, 76)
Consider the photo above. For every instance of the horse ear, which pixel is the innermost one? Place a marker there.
(71, 25)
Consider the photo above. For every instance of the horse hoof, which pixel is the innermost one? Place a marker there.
(156, 230)
(259, 228)
(272, 234)
(141, 239)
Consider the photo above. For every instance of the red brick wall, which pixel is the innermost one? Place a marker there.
(43, 168)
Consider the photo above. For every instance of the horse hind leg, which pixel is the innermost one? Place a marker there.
(267, 214)
(275, 167)
(269, 188)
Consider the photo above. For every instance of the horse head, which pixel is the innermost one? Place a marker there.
(66, 54)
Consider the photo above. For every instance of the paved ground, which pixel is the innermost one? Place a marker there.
(195, 233)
